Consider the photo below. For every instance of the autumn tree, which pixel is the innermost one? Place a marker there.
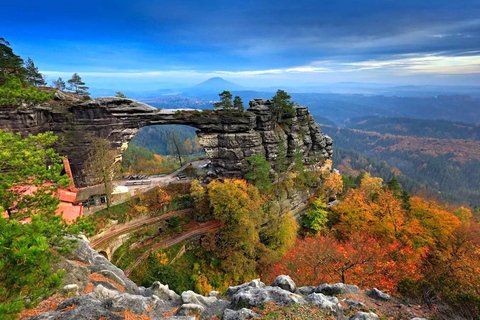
(452, 272)
(200, 197)
(463, 214)
(361, 260)
(333, 185)
(187, 145)
(102, 165)
(316, 218)
(279, 233)
(238, 205)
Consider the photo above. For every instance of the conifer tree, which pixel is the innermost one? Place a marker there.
(258, 172)
(59, 84)
(282, 105)
(33, 76)
(77, 85)
(10, 63)
(225, 102)
(238, 104)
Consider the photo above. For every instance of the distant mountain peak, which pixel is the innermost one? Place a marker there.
(216, 84)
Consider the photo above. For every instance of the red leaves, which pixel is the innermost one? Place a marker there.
(360, 260)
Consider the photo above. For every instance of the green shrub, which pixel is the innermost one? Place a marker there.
(13, 93)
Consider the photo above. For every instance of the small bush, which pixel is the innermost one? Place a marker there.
(13, 93)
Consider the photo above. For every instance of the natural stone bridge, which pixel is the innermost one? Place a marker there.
(227, 137)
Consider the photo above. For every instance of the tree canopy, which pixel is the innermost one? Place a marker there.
(30, 174)
(77, 85)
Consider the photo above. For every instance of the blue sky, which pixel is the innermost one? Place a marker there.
(147, 45)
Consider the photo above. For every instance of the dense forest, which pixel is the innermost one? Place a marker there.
(441, 129)
(448, 166)
(156, 138)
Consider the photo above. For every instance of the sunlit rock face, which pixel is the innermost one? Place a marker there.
(227, 137)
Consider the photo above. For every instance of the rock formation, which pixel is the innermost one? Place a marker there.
(96, 289)
(227, 137)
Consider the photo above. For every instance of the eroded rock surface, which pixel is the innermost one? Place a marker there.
(227, 137)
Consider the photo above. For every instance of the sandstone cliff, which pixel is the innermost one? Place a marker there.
(227, 137)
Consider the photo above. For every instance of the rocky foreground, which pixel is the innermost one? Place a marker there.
(97, 290)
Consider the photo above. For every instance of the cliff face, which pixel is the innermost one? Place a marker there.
(227, 137)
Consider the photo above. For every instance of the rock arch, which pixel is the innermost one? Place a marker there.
(227, 137)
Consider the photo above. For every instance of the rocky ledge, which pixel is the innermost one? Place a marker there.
(95, 289)
(227, 137)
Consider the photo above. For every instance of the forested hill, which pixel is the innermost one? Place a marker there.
(440, 129)
(449, 166)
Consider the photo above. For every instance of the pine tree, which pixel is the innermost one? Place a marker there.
(77, 85)
(258, 172)
(282, 106)
(59, 84)
(120, 95)
(10, 63)
(238, 104)
(33, 76)
(225, 102)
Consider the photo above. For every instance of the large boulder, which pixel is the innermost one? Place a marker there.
(242, 314)
(207, 306)
(234, 289)
(377, 294)
(364, 316)
(336, 289)
(330, 305)
(254, 296)
(284, 282)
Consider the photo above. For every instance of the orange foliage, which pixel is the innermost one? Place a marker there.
(89, 288)
(361, 260)
(100, 277)
(158, 157)
(49, 304)
(383, 215)
(128, 315)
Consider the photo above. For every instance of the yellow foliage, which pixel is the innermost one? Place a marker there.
(333, 184)
(141, 209)
(463, 214)
(161, 257)
(202, 286)
(371, 184)
(197, 191)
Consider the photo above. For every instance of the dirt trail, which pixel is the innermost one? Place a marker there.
(132, 225)
(196, 230)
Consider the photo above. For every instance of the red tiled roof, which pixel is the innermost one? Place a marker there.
(70, 213)
(66, 196)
